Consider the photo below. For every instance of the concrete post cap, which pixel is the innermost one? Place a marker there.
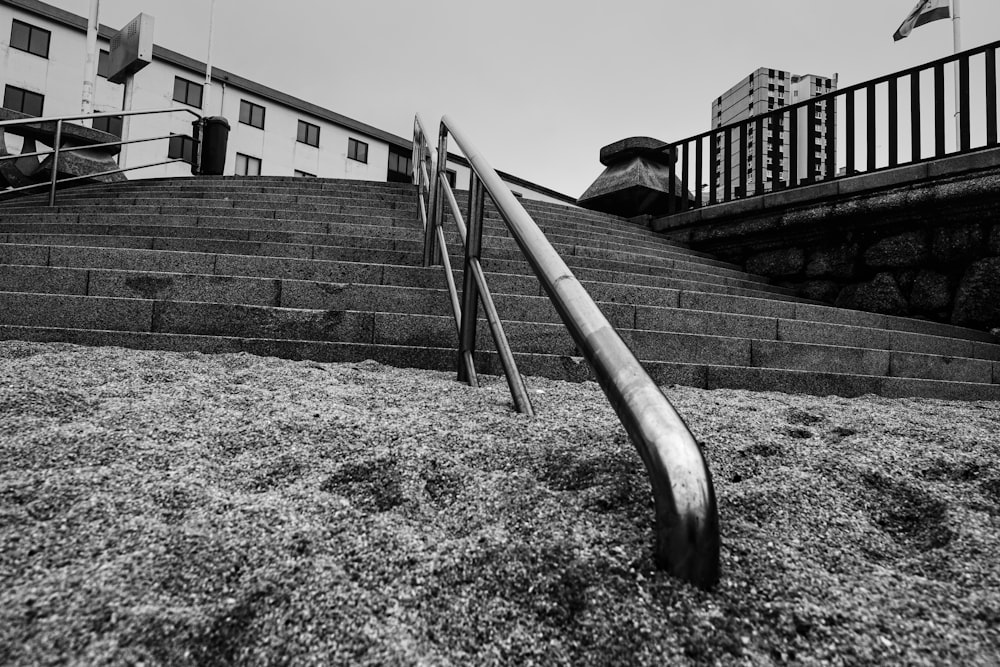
(648, 147)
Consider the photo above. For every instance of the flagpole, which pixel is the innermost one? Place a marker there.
(957, 33)
(90, 64)
(206, 98)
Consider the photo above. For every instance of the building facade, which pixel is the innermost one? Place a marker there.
(766, 90)
(42, 58)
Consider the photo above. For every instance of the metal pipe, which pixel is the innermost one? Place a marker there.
(687, 522)
(449, 278)
(103, 114)
(432, 195)
(470, 291)
(55, 163)
(515, 382)
(455, 212)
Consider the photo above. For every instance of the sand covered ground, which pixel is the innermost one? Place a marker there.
(182, 509)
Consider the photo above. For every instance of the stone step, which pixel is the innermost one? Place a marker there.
(357, 215)
(215, 199)
(419, 331)
(322, 267)
(287, 293)
(334, 264)
(557, 367)
(244, 184)
(603, 286)
(355, 225)
(410, 239)
(500, 261)
(559, 215)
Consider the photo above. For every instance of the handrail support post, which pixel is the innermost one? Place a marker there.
(470, 288)
(55, 163)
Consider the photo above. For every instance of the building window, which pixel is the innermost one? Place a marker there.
(110, 124)
(28, 38)
(187, 92)
(357, 150)
(251, 114)
(303, 174)
(308, 133)
(181, 147)
(247, 166)
(400, 165)
(452, 177)
(25, 101)
(103, 64)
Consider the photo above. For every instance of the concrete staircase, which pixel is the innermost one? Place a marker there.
(330, 270)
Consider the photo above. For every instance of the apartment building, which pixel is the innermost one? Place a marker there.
(765, 90)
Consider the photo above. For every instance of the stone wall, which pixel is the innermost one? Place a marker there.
(926, 247)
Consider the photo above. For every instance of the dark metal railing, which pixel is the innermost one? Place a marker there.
(58, 149)
(891, 121)
(687, 522)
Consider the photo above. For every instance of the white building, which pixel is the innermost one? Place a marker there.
(42, 58)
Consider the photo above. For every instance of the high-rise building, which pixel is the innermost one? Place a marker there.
(762, 91)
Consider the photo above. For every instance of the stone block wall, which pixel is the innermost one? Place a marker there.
(928, 249)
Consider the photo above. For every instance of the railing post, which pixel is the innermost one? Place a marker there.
(432, 253)
(470, 289)
(55, 163)
(414, 153)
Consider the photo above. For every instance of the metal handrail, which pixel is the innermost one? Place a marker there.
(687, 524)
(58, 149)
(475, 290)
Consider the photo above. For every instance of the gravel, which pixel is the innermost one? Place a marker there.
(166, 508)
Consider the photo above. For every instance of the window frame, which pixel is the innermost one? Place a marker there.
(181, 146)
(251, 108)
(109, 121)
(400, 157)
(188, 86)
(24, 93)
(247, 161)
(302, 133)
(103, 63)
(352, 150)
(32, 30)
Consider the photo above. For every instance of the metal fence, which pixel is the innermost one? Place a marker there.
(894, 120)
(45, 174)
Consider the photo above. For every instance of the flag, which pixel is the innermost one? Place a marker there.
(925, 12)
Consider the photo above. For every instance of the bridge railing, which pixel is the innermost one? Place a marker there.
(894, 120)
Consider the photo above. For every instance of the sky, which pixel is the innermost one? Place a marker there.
(541, 85)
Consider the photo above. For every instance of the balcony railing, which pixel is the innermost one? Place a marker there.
(894, 120)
